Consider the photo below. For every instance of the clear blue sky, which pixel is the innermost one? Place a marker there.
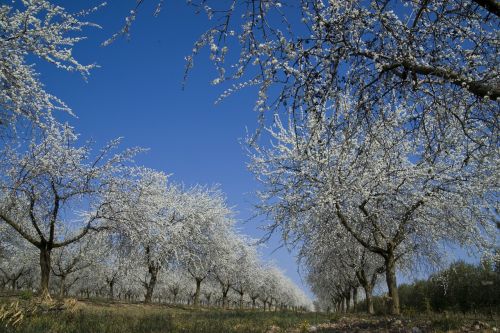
(137, 94)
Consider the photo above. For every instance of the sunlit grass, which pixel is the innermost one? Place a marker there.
(121, 318)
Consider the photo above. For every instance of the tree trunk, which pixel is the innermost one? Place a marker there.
(241, 300)
(390, 276)
(348, 301)
(45, 272)
(153, 275)
(175, 298)
(253, 302)
(224, 299)
(111, 289)
(354, 299)
(369, 299)
(197, 293)
(61, 286)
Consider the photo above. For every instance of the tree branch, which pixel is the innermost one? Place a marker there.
(492, 6)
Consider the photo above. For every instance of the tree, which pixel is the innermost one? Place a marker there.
(45, 31)
(422, 54)
(208, 224)
(176, 283)
(67, 261)
(153, 222)
(336, 264)
(17, 262)
(247, 273)
(378, 183)
(53, 185)
(227, 262)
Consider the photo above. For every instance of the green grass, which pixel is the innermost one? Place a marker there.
(100, 316)
(122, 318)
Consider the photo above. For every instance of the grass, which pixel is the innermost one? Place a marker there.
(94, 317)
(100, 316)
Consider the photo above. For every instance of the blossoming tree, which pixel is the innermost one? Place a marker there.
(379, 183)
(54, 185)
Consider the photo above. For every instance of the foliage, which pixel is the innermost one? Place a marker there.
(461, 287)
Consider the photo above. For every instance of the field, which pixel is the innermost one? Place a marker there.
(96, 316)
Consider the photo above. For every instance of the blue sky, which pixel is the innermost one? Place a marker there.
(137, 94)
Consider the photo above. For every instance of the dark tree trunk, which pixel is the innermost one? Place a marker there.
(111, 289)
(253, 302)
(197, 293)
(390, 276)
(241, 300)
(153, 275)
(224, 298)
(45, 272)
(354, 298)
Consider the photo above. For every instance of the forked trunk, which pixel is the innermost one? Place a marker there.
(241, 300)
(224, 298)
(197, 293)
(175, 298)
(253, 302)
(153, 275)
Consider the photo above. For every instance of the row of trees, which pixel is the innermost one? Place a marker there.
(95, 222)
(365, 200)
(78, 221)
(384, 137)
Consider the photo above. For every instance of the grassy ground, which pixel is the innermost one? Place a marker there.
(93, 317)
(415, 323)
(102, 317)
